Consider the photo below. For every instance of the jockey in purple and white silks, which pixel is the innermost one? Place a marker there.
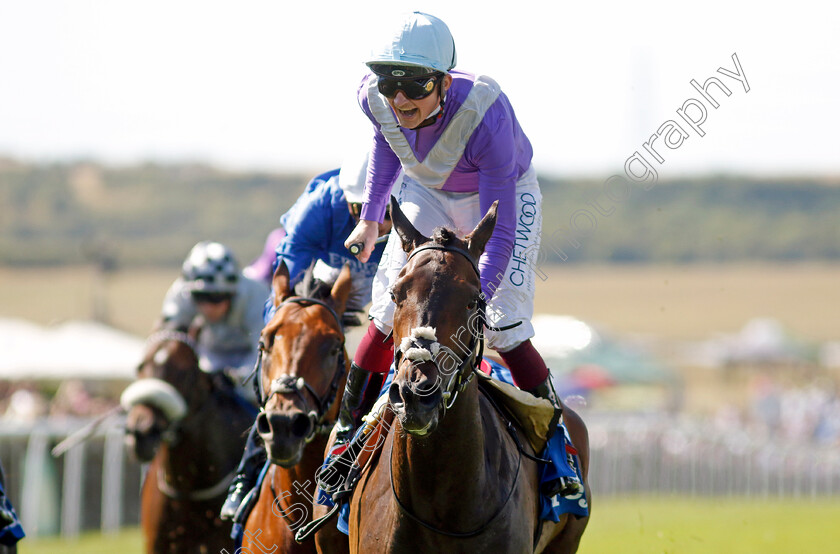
(493, 163)
(456, 138)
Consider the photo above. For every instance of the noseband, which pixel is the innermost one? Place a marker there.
(458, 382)
(292, 384)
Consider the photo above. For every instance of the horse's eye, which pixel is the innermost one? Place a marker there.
(473, 303)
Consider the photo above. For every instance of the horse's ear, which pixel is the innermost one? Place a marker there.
(341, 290)
(409, 236)
(280, 283)
(477, 240)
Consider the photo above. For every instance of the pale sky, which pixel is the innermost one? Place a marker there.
(271, 85)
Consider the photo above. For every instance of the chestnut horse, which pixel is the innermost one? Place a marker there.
(304, 367)
(192, 429)
(450, 477)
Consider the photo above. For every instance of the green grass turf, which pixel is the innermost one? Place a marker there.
(713, 525)
(630, 525)
(127, 541)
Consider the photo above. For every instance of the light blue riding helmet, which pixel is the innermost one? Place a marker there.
(421, 46)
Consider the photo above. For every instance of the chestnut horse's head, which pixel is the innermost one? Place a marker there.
(303, 365)
(169, 385)
(438, 320)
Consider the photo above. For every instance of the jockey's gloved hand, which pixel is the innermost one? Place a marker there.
(354, 390)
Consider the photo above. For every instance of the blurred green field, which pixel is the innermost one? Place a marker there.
(634, 525)
(713, 525)
(126, 542)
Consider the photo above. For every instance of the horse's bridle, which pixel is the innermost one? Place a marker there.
(458, 384)
(171, 434)
(458, 381)
(292, 384)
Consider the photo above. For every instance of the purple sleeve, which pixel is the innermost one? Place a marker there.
(493, 150)
(382, 170)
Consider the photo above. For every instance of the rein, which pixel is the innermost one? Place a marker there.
(453, 534)
(206, 493)
(292, 384)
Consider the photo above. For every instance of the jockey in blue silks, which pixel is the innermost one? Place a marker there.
(316, 227)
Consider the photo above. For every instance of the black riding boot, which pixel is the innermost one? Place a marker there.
(546, 390)
(345, 426)
(247, 473)
(568, 485)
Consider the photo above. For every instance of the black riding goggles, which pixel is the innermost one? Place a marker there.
(415, 89)
(210, 297)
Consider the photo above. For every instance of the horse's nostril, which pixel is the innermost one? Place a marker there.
(263, 426)
(300, 425)
(423, 393)
(426, 390)
(394, 394)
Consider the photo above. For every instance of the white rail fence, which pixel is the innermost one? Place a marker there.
(97, 485)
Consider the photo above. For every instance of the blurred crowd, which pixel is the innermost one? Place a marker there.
(24, 401)
(796, 413)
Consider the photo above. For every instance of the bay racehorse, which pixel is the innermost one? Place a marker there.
(191, 428)
(449, 476)
(303, 369)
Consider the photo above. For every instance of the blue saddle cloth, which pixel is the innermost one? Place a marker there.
(551, 508)
(12, 531)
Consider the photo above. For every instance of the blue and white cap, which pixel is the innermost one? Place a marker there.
(210, 267)
(421, 46)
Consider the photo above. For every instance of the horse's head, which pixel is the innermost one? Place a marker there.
(169, 385)
(303, 362)
(438, 319)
